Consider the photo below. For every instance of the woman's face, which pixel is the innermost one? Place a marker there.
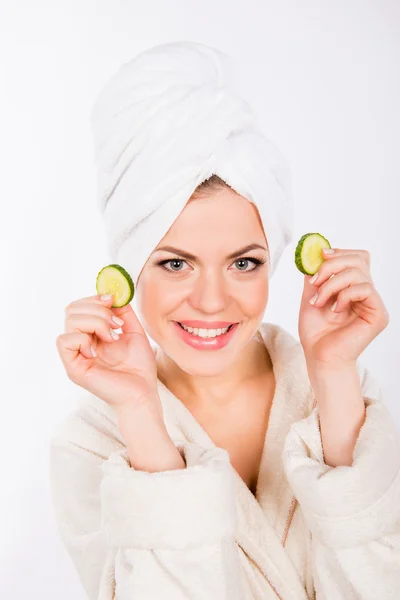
(209, 287)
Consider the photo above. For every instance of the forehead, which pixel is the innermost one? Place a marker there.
(223, 206)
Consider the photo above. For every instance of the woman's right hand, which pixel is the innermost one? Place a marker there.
(124, 372)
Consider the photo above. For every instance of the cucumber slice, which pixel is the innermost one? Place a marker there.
(113, 279)
(308, 254)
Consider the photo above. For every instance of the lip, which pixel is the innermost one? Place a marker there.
(207, 324)
(220, 341)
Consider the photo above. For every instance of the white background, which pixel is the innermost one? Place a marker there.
(324, 77)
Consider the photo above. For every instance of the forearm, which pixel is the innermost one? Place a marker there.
(341, 410)
(148, 443)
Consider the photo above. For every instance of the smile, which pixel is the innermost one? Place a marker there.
(206, 339)
(205, 333)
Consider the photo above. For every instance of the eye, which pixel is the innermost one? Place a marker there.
(171, 260)
(256, 261)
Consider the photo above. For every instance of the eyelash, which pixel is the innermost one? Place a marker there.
(253, 259)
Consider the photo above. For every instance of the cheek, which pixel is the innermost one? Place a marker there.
(255, 296)
(158, 297)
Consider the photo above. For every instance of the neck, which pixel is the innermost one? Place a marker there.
(218, 390)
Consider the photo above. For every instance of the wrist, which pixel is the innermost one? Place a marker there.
(149, 445)
(341, 411)
(323, 373)
(134, 415)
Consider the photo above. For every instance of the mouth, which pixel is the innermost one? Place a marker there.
(197, 342)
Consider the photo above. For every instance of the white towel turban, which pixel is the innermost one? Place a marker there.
(165, 122)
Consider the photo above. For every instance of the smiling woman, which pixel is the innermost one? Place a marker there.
(195, 469)
(208, 280)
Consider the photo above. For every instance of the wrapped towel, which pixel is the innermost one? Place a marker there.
(165, 122)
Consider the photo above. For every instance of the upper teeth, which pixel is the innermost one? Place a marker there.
(206, 333)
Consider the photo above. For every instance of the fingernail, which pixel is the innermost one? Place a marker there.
(334, 306)
(106, 297)
(93, 351)
(114, 334)
(314, 299)
(117, 320)
(328, 250)
(314, 279)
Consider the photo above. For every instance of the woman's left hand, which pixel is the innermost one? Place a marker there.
(334, 339)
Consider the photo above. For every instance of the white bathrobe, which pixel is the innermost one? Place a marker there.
(311, 531)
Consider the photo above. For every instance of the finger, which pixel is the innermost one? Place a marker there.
(131, 321)
(89, 300)
(91, 324)
(364, 254)
(374, 309)
(70, 345)
(92, 309)
(126, 313)
(337, 265)
(336, 284)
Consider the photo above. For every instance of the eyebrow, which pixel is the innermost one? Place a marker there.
(189, 256)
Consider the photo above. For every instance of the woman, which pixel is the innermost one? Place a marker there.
(249, 465)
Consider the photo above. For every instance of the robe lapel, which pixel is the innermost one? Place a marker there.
(262, 518)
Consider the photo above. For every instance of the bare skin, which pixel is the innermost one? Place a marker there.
(228, 391)
(240, 424)
(241, 430)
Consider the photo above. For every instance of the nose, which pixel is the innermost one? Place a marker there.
(210, 293)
